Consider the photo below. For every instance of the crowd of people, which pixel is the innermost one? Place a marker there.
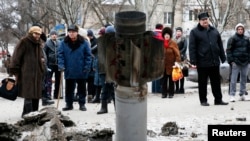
(37, 59)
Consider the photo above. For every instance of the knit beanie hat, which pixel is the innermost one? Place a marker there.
(101, 31)
(178, 28)
(158, 26)
(110, 29)
(53, 32)
(239, 25)
(35, 29)
(90, 32)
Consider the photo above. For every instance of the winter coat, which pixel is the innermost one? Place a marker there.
(238, 50)
(50, 49)
(74, 58)
(205, 47)
(172, 55)
(158, 34)
(182, 45)
(99, 78)
(28, 64)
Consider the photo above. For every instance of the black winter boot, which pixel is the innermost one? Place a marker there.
(46, 101)
(97, 95)
(68, 107)
(164, 95)
(104, 107)
(114, 102)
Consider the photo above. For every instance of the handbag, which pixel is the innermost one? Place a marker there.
(177, 73)
(9, 89)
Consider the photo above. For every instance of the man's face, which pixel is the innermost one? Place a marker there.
(36, 35)
(72, 35)
(53, 37)
(178, 33)
(240, 30)
(204, 22)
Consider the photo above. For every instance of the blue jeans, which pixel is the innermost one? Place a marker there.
(236, 69)
(156, 86)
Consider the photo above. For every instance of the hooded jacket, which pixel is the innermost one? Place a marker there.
(238, 48)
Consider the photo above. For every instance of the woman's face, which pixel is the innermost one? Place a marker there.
(166, 36)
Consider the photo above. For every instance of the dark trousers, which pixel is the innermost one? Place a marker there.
(167, 85)
(213, 74)
(91, 87)
(70, 85)
(54, 70)
(179, 84)
(108, 91)
(156, 86)
(30, 105)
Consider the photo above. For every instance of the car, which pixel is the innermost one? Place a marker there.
(224, 74)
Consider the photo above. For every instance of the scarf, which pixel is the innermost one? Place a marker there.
(166, 43)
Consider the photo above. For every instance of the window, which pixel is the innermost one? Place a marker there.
(168, 17)
(191, 15)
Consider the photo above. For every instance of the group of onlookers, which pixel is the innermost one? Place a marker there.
(36, 60)
(175, 51)
(206, 53)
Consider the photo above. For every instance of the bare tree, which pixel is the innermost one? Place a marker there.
(222, 12)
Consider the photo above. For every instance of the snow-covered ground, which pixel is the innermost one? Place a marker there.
(185, 110)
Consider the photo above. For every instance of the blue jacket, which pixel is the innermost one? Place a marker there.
(74, 58)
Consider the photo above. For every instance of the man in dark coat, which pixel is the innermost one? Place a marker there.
(74, 58)
(206, 52)
(182, 45)
(28, 66)
(50, 48)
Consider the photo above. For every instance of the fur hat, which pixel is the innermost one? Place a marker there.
(73, 28)
(239, 25)
(35, 29)
(53, 32)
(167, 30)
(203, 15)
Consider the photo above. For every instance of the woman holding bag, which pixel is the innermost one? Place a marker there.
(172, 55)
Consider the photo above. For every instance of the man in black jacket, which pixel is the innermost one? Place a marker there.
(238, 56)
(206, 52)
